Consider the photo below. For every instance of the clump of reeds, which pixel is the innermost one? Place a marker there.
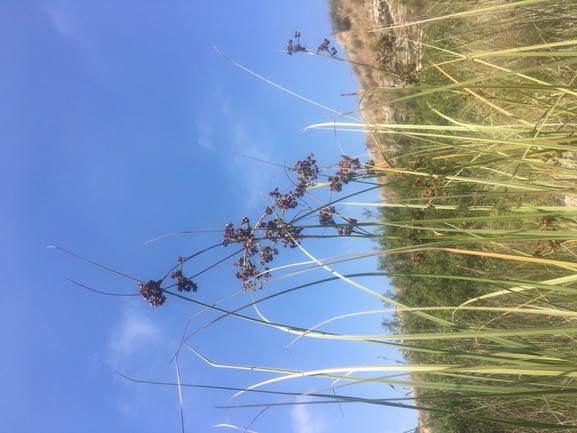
(479, 238)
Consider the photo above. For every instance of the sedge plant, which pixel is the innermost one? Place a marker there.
(476, 228)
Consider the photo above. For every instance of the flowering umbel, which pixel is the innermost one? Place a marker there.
(273, 227)
(152, 292)
(292, 47)
(183, 283)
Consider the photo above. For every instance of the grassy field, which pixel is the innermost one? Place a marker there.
(478, 223)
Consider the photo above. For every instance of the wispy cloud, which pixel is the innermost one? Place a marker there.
(204, 131)
(304, 422)
(134, 334)
(225, 109)
(70, 21)
(252, 141)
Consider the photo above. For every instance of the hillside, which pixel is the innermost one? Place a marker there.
(371, 53)
(478, 208)
(378, 59)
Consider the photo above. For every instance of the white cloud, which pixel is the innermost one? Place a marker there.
(252, 141)
(135, 334)
(304, 422)
(205, 132)
(139, 348)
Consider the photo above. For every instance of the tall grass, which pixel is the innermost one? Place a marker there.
(481, 189)
(478, 231)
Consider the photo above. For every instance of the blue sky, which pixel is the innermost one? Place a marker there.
(119, 122)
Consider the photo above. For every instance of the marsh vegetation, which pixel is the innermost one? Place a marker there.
(476, 228)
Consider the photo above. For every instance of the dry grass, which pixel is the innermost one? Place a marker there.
(379, 60)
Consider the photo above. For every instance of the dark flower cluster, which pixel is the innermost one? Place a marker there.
(539, 251)
(433, 188)
(417, 258)
(554, 158)
(275, 229)
(549, 247)
(554, 244)
(416, 165)
(370, 166)
(291, 236)
(326, 216)
(286, 201)
(325, 47)
(348, 229)
(546, 223)
(346, 173)
(152, 292)
(296, 47)
(347, 166)
(307, 170)
(243, 234)
(266, 254)
(182, 282)
(336, 185)
(290, 48)
(248, 273)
